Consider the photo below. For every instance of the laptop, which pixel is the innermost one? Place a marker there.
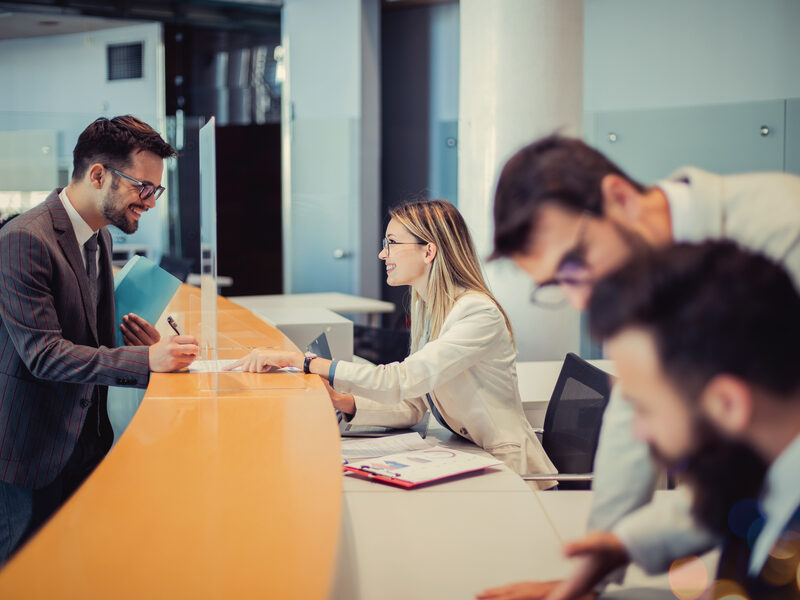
(321, 348)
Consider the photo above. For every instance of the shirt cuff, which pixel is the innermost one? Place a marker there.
(662, 531)
(332, 372)
(642, 549)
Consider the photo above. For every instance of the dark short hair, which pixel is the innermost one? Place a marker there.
(711, 308)
(5, 220)
(112, 141)
(555, 169)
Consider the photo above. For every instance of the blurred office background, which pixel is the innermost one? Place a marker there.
(331, 111)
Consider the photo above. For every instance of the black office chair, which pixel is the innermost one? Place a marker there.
(177, 266)
(572, 423)
(381, 346)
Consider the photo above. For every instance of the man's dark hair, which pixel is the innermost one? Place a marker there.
(5, 220)
(555, 169)
(113, 141)
(711, 308)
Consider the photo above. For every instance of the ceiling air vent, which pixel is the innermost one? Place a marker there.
(125, 61)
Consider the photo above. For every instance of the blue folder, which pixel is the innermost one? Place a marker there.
(144, 288)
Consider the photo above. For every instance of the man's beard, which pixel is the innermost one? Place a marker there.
(721, 472)
(116, 211)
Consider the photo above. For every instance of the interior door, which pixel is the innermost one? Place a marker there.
(324, 198)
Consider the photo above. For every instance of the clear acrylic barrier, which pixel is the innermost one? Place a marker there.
(208, 241)
(238, 339)
(204, 318)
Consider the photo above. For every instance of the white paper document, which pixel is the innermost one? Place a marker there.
(381, 446)
(211, 366)
(218, 366)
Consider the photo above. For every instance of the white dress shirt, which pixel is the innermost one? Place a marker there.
(761, 212)
(80, 227)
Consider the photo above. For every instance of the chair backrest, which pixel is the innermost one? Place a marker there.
(319, 346)
(380, 346)
(574, 416)
(179, 267)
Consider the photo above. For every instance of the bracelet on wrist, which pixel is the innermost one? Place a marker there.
(309, 356)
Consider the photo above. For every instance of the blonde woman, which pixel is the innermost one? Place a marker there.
(462, 365)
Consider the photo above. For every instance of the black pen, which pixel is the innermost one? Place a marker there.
(174, 324)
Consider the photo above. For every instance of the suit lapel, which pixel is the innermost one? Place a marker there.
(782, 566)
(69, 245)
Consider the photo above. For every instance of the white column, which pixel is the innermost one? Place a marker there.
(521, 77)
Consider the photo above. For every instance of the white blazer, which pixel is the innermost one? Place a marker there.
(471, 375)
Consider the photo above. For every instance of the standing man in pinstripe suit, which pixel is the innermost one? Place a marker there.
(57, 353)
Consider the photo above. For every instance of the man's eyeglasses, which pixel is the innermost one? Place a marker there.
(572, 272)
(146, 189)
(387, 244)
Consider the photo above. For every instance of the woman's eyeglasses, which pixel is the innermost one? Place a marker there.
(146, 189)
(387, 244)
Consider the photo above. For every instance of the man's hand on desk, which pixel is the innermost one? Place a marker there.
(261, 359)
(138, 332)
(524, 590)
(173, 353)
(345, 403)
(598, 554)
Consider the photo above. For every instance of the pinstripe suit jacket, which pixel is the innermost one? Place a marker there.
(54, 348)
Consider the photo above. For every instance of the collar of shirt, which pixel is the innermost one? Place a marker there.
(81, 228)
(680, 208)
(696, 202)
(779, 502)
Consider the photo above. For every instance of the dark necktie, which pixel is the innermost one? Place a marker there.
(734, 560)
(91, 266)
(91, 271)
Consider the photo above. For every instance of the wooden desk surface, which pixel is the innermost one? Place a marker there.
(228, 495)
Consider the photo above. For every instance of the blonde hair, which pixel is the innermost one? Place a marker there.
(455, 268)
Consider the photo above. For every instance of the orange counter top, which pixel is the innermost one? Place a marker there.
(234, 494)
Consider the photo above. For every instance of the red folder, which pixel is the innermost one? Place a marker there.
(410, 469)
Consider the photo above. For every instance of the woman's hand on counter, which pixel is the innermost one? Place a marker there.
(261, 359)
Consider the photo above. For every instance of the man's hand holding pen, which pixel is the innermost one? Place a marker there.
(172, 353)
